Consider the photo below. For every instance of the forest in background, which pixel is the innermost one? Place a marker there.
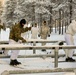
(57, 13)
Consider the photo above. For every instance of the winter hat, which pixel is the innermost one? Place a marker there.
(23, 21)
(44, 21)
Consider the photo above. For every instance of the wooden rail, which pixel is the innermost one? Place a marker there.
(25, 47)
(34, 41)
(38, 71)
(4, 42)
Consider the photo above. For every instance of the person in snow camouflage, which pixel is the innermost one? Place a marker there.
(70, 32)
(34, 31)
(4, 28)
(15, 37)
(44, 32)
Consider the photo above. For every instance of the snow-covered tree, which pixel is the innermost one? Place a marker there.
(1, 9)
(8, 15)
(15, 10)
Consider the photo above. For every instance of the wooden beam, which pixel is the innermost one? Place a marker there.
(38, 71)
(43, 41)
(42, 70)
(34, 56)
(4, 42)
(35, 40)
(5, 72)
(25, 47)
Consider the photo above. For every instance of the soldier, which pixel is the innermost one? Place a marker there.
(44, 32)
(70, 32)
(15, 37)
(34, 31)
(2, 27)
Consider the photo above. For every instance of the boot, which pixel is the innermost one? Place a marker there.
(17, 61)
(1, 52)
(70, 59)
(43, 49)
(14, 62)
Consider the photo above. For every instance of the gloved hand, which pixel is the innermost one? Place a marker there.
(23, 40)
(29, 28)
(38, 35)
(48, 35)
(20, 41)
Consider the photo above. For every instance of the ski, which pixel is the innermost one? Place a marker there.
(19, 66)
(59, 61)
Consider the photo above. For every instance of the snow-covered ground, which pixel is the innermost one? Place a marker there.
(38, 63)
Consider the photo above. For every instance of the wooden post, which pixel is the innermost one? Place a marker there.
(56, 57)
(55, 25)
(34, 44)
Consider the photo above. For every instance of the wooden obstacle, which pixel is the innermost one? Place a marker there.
(25, 47)
(42, 70)
(38, 71)
(5, 73)
(34, 55)
(4, 42)
(42, 41)
(34, 41)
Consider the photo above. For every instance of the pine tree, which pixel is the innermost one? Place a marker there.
(1, 9)
(8, 12)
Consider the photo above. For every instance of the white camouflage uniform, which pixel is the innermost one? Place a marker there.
(34, 31)
(69, 37)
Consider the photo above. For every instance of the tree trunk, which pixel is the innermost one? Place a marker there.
(70, 7)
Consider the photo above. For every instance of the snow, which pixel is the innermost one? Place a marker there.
(61, 73)
(6, 33)
(38, 63)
